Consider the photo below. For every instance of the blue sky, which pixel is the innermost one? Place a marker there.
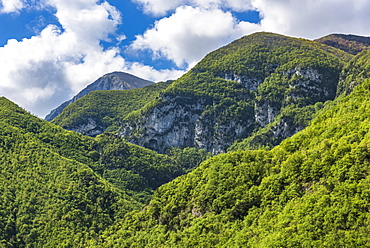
(52, 49)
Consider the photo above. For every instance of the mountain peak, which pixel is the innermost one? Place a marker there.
(112, 81)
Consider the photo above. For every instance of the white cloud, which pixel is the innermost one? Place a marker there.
(161, 7)
(41, 72)
(8, 6)
(188, 34)
(314, 18)
(152, 74)
(193, 31)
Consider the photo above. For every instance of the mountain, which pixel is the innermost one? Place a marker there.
(352, 44)
(312, 190)
(61, 189)
(101, 111)
(292, 117)
(263, 82)
(110, 81)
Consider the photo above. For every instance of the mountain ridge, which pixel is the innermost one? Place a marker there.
(311, 190)
(110, 81)
(352, 44)
(59, 188)
(101, 110)
(236, 90)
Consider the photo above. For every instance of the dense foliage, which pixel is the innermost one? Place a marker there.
(310, 191)
(61, 189)
(354, 73)
(106, 108)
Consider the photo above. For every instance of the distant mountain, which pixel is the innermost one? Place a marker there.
(102, 110)
(352, 44)
(110, 81)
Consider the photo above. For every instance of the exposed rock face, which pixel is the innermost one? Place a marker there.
(169, 125)
(175, 123)
(284, 129)
(304, 85)
(237, 91)
(249, 83)
(89, 128)
(217, 138)
(181, 122)
(264, 113)
(110, 81)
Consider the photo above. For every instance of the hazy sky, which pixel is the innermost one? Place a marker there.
(51, 49)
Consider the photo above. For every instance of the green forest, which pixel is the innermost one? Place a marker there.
(59, 188)
(312, 190)
(263, 72)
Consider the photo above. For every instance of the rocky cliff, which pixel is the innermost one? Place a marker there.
(236, 91)
(110, 81)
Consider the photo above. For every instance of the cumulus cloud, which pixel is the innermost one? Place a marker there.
(191, 32)
(8, 6)
(314, 18)
(44, 69)
(161, 7)
(41, 72)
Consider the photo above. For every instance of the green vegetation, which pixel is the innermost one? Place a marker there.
(61, 189)
(107, 108)
(249, 89)
(291, 120)
(312, 190)
(189, 157)
(354, 73)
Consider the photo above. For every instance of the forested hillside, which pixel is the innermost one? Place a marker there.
(310, 191)
(261, 81)
(61, 189)
(293, 114)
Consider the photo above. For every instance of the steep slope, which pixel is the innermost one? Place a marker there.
(48, 199)
(237, 90)
(354, 73)
(100, 110)
(54, 189)
(110, 81)
(352, 44)
(310, 191)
